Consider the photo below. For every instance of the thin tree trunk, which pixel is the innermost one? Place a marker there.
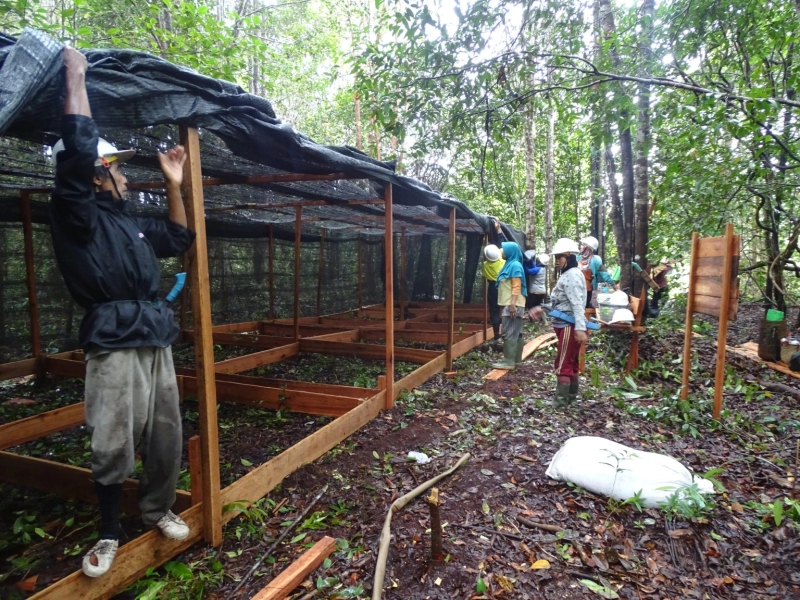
(530, 176)
(598, 196)
(549, 178)
(643, 145)
(617, 222)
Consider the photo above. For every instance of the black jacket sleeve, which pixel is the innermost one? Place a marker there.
(73, 197)
(166, 238)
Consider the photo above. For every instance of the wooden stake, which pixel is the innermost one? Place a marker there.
(687, 335)
(451, 287)
(298, 230)
(320, 264)
(196, 469)
(358, 260)
(403, 248)
(30, 274)
(271, 273)
(727, 277)
(436, 526)
(203, 347)
(184, 294)
(389, 266)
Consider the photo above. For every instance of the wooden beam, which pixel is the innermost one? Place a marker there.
(389, 282)
(24, 430)
(366, 351)
(30, 274)
(257, 359)
(320, 265)
(486, 324)
(358, 261)
(467, 344)
(237, 327)
(65, 367)
(250, 179)
(406, 335)
(687, 335)
(294, 574)
(261, 480)
(184, 295)
(20, 368)
(204, 346)
(69, 482)
(289, 384)
(350, 335)
(419, 376)
(451, 287)
(196, 469)
(271, 272)
(278, 398)
(722, 336)
(308, 330)
(402, 278)
(250, 340)
(298, 230)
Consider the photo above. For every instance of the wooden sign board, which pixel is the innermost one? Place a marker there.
(714, 291)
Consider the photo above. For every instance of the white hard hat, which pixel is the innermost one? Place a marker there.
(544, 258)
(622, 315)
(104, 150)
(591, 241)
(565, 246)
(491, 253)
(619, 298)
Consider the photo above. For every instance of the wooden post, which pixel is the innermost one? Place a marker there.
(486, 298)
(320, 264)
(184, 295)
(358, 260)
(271, 273)
(687, 334)
(451, 288)
(403, 247)
(724, 309)
(203, 338)
(196, 469)
(298, 230)
(389, 277)
(30, 273)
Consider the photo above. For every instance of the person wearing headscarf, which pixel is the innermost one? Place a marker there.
(511, 293)
(591, 265)
(568, 296)
(535, 266)
(492, 264)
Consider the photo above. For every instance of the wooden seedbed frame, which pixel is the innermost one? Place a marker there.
(272, 341)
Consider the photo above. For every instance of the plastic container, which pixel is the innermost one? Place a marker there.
(770, 334)
(774, 315)
(789, 347)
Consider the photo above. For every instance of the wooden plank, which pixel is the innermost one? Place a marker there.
(257, 359)
(403, 273)
(204, 345)
(30, 273)
(712, 286)
(278, 398)
(236, 327)
(422, 317)
(352, 335)
(359, 291)
(750, 350)
(196, 469)
(419, 376)
(366, 351)
(467, 344)
(271, 272)
(425, 337)
(538, 343)
(320, 265)
(307, 330)
(132, 561)
(298, 232)
(294, 574)
(486, 325)
(461, 327)
(451, 287)
(716, 246)
(388, 240)
(722, 336)
(19, 368)
(261, 480)
(244, 339)
(690, 308)
(64, 367)
(24, 430)
(712, 266)
(69, 482)
(709, 305)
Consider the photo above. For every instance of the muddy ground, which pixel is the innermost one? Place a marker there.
(740, 543)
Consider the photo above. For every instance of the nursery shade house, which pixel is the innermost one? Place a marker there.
(300, 249)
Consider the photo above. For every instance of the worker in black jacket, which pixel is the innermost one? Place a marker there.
(108, 258)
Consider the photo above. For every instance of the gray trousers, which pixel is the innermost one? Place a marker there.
(512, 326)
(132, 406)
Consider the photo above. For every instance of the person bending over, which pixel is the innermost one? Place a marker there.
(108, 258)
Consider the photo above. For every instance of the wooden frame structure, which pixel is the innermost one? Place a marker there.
(353, 333)
(713, 291)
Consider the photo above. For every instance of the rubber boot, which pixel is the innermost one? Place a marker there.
(518, 353)
(509, 353)
(562, 393)
(496, 345)
(574, 386)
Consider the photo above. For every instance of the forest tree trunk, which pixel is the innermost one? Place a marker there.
(530, 176)
(549, 178)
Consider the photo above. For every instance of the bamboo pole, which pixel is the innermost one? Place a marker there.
(203, 345)
(30, 273)
(298, 230)
(451, 288)
(687, 335)
(271, 273)
(389, 277)
(724, 309)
